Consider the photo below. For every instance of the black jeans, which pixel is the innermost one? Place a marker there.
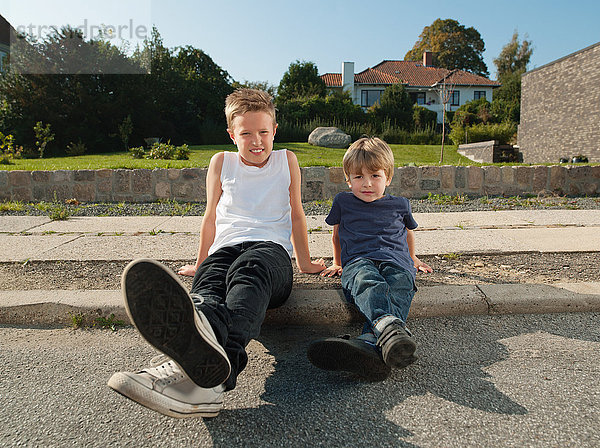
(234, 287)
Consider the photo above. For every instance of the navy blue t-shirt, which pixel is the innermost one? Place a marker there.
(374, 230)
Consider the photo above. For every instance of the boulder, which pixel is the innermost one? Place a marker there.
(329, 137)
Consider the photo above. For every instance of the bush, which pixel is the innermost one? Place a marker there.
(76, 149)
(164, 151)
(182, 153)
(137, 152)
(503, 132)
(424, 118)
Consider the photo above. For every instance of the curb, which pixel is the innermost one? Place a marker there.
(316, 306)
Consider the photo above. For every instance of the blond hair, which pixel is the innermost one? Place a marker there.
(371, 153)
(248, 100)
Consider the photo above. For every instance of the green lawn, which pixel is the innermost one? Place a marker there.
(200, 156)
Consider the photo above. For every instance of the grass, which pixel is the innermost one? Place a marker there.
(200, 155)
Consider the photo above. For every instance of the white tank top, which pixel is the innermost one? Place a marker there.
(255, 202)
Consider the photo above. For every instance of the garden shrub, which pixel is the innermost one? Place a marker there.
(503, 132)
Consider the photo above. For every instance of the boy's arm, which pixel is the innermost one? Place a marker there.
(207, 228)
(336, 266)
(299, 230)
(410, 241)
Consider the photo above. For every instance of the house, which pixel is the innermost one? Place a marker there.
(5, 35)
(419, 78)
(560, 109)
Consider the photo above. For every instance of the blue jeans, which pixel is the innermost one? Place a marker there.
(379, 289)
(233, 288)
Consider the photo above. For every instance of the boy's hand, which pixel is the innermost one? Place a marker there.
(189, 270)
(314, 267)
(421, 266)
(332, 271)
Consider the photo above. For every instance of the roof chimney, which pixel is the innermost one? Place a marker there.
(428, 59)
(348, 77)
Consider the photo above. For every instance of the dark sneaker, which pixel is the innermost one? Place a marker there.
(166, 389)
(349, 355)
(163, 312)
(397, 346)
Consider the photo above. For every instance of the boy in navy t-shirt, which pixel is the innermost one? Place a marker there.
(373, 251)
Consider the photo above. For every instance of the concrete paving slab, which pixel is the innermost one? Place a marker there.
(455, 300)
(22, 247)
(530, 298)
(508, 218)
(162, 246)
(16, 224)
(182, 224)
(105, 224)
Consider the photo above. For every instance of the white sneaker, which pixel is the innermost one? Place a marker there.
(166, 389)
(160, 307)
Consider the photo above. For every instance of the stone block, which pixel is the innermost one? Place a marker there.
(141, 181)
(41, 176)
(408, 177)
(312, 190)
(162, 190)
(460, 177)
(19, 178)
(491, 175)
(336, 175)
(430, 172)
(84, 176)
(508, 174)
(523, 175)
(475, 178)
(430, 184)
(104, 185)
(447, 177)
(3, 179)
(173, 173)
(557, 178)
(122, 181)
(190, 174)
(21, 194)
(314, 173)
(61, 176)
(579, 172)
(104, 172)
(540, 178)
(84, 192)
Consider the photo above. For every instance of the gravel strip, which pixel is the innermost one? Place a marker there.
(434, 204)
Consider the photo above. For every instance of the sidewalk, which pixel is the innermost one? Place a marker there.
(176, 238)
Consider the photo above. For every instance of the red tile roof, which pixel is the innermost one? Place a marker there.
(412, 73)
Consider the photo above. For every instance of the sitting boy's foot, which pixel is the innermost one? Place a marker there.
(397, 347)
(163, 312)
(166, 389)
(349, 355)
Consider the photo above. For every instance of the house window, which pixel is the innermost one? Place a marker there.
(479, 94)
(420, 98)
(370, 97)
(455, 100)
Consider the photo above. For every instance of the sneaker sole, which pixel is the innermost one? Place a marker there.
(399, 351)
(338, 354)
(161, 309)
(122, 383)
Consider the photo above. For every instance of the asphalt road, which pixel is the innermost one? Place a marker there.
(480, 381)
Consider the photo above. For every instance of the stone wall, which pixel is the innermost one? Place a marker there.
(560, 109)
(188, 184)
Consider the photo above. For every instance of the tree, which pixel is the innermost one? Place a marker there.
(514, 57)
(456, 46)
(300, 80)
(395, 104)
(511, 63)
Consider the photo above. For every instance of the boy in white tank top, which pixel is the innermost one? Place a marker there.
(253, 222)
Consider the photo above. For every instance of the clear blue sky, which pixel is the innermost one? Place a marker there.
(256, 40)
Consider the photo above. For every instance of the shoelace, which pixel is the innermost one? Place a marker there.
(165, 370)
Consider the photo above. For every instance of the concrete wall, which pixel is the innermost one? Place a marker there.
(188, 184)
(560, 109)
